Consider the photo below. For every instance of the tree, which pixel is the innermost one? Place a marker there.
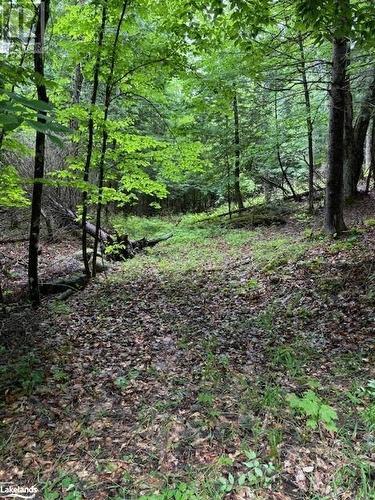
(90, 144)
(237, 154)
(40, 144)
(356, 136)
(107, 101)
(309, 122)
(334, 219)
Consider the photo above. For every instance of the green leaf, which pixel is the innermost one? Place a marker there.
(10, 122)
(31, 103)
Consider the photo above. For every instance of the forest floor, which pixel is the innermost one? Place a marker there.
(224, 363)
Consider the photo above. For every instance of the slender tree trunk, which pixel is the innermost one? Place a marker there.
(227, 164)
(349, 140)
(229, 197)
(360, 132)
(309, 123)
(107, 102)
(40, 142)
(371, 172)
(90, 144)
(237, 155)
(100, 199)
(368, 146)
(334, 217)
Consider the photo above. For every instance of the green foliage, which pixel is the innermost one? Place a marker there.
(65, 486)
(124, 381)
(285, 356)
(11, 192)
(266, 318)
(275, 253)
(141, 227)
(311, 406)
(368, 416)
(369, 222)
(355, 478)
(180, 491)
(59, 307)
(256, 475)
(25, 374)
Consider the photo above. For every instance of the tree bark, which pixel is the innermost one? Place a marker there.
(349, 142)
(371, 172)
(237, 155)
(355, 149)
(40, 142)
(90, 144)
(334, 218)
(309, 123)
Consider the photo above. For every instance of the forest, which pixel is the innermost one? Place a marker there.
(187, 252)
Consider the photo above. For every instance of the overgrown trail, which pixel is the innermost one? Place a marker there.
(170, 370)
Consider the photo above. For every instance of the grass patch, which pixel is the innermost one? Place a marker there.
(273, 254)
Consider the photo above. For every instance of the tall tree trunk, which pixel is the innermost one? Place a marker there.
(90, 143)
(334, 218)
(371, 172)
(355, 148)
(309, 123)
(229, 196)
(349, 141)
(368, 140)
(107, 102)
(229, 174)
(40, 142)
(237, 155)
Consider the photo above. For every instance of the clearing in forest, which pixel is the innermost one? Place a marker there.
(220, 364)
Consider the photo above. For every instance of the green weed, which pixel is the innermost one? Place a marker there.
(266, 318)
(60, 308)
(123, 381)
(311, 406)
(64, 487)
(26, 374)
(355, 480)
(256, 475)
(285, 357)
(275, 438)
(179, 491)
(369, 416)
(273, 254)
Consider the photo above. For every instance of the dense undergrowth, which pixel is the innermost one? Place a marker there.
(223, 363)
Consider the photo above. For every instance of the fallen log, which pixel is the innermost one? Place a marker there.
(118, 246)
(74, 282)
(240, 211)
